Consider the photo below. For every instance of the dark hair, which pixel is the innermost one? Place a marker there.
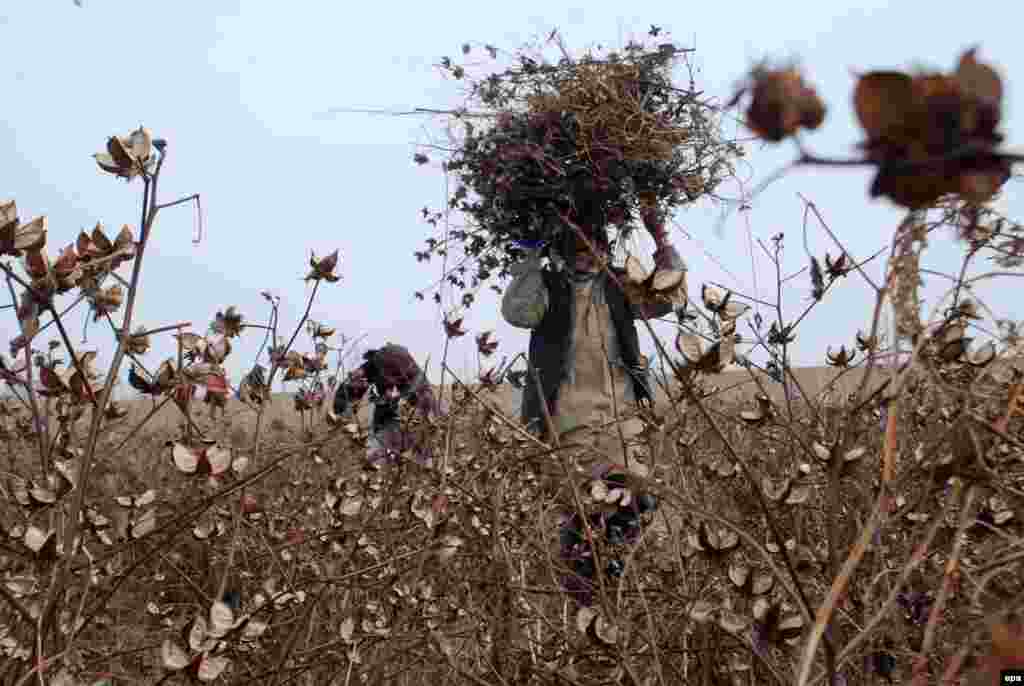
(370, 368)
(391, 366)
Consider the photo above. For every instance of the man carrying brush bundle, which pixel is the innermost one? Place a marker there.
(390, 375)
(584, 347)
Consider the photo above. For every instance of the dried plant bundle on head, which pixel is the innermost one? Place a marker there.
(611, 103)
(585, 144)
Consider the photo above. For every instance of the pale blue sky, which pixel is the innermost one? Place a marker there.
(239, 91)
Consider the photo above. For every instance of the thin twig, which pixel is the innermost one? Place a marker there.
(824, 614)
(920, 666)
(162, 329)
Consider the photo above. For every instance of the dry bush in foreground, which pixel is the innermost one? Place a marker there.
(870, 531)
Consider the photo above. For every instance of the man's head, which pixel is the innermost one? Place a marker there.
(390, 367)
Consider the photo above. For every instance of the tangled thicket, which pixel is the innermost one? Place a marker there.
(864, 527)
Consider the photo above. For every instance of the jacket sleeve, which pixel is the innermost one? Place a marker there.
(666, 257)
(525, 300)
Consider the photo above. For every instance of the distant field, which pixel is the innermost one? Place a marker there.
(734, 385)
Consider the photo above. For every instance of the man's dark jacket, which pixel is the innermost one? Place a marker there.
(551, 341)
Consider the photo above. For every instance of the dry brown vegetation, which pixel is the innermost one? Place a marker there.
(853, 523)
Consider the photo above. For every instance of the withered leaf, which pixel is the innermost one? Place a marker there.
(125, 241)
(776, 489)
(107, 300)
(982, 355)
(781, 103)
(323, 269)
(635, 271)
(701, 611)
(485, 345)
(717, 539)
(689, 345)
(100, 241)
(140, 144)
(85, 246)
(605, 631)
(731, 622)
(978, 80)
(882, 100)
(15, 238)
(8, 216)
(229, 322)
(37, 263)
(739, 575)
(453, 327)
(144, 524)
(217, 351)
(211, 667)
(842, 358)
(43, 544)
(66, 262)
(165, 375)
(755, 416)
(174, 657)
(866, 343)
(799, 495)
